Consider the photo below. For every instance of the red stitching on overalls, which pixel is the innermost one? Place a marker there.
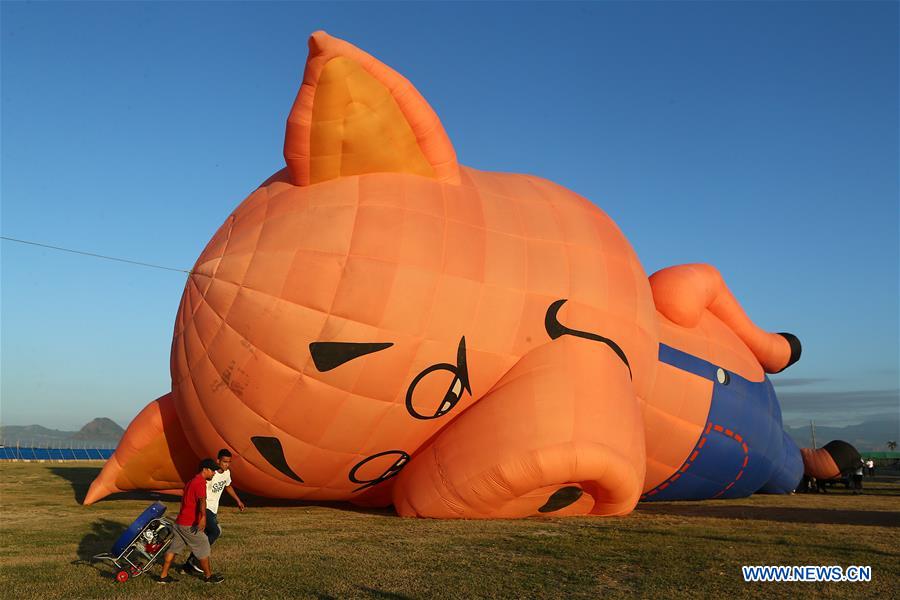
(696, 452)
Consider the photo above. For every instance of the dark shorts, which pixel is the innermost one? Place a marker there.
(197, 543)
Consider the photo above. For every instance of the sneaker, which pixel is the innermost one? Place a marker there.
(214, 578)
(186, 569)
(192, 562)
(166, 579)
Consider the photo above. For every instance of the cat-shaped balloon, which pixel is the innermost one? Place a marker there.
(377, 323)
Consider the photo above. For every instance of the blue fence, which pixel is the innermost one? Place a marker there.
(14, 453)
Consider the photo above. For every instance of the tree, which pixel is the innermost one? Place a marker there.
(892, 446)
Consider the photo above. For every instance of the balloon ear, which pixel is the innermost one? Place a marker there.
(154, 454)
(355, 115)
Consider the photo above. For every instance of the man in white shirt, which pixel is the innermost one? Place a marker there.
(221, 480)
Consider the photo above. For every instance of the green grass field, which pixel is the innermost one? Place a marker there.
(673, 549)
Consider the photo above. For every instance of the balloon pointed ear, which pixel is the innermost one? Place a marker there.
(154, 454)
(355, 115)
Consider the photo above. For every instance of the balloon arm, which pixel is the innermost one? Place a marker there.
(541, 441)
(683, 292)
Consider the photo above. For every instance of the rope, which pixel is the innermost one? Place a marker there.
(124, 260)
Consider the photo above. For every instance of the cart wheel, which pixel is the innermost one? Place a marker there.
(122, 576)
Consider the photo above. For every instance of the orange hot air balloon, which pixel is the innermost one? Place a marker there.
(831, 460)
(377, 323)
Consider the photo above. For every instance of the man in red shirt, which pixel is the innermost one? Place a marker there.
(190, 525)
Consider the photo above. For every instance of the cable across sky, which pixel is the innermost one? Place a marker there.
(103, 256)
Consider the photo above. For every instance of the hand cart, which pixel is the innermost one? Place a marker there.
(137, 548)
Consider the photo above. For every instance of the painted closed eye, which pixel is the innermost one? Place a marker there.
(432, 405)
(330, 355)
(372, 470)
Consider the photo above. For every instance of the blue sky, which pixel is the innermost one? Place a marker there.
(759, 137)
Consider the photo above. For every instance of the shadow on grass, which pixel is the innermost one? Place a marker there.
(682, 534)
(99, 540)
(778, 513)
(375, 593)
(869, 489)
(876, 490)
(258, 501)
(371, 593)
(80, 478)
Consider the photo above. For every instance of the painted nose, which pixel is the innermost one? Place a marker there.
(796, 348)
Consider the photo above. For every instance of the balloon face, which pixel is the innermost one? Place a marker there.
(340, 324)
(377, 323)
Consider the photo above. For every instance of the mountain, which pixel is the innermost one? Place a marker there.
(100, 432)
(870, 435)
(37, 435)
(100, 428)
